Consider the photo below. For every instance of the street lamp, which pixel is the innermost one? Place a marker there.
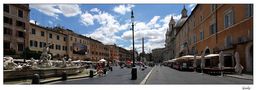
(134, 69)
(24, 49)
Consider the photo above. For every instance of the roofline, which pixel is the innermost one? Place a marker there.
(197, 5)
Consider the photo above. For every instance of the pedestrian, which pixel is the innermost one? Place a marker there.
(99, 69)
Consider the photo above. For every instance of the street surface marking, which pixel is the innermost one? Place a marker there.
(147, 76)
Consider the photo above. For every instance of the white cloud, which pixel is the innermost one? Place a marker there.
(95, 10)
(87, 19)
(191, 6)
(69, 10)
(54, 10)
(122, 9)
(109, 26)
(34, 22)
(153, 20)
(154, 36)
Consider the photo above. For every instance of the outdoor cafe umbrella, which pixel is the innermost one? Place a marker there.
(211, 55)
(102, 60)
(187, 57)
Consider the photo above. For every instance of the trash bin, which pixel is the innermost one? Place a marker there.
(35, 79)
(134, 73)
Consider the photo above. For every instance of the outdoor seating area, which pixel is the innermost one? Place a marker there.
(214, 64)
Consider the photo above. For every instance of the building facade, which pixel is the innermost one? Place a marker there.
(16, 24)
(98, 50)
(212, 28)
(171, 41)
(158, 54)
(40, 36)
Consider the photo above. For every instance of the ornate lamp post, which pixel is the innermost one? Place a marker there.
(134, 69)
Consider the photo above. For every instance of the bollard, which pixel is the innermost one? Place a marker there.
(111, 68)
(91, 73)
(35, 79)
(105, 70)
(64, 76)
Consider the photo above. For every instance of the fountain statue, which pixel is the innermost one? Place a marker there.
(64, 62)
(69, 63)
(44, 66)
(33, 64)
(45, 57)
(9, 64)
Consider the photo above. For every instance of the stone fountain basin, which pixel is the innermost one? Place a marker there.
(43, 73)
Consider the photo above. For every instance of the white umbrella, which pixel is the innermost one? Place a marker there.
(187, 57)
(211, 55)
(102, 60)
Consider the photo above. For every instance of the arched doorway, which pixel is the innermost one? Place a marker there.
(249, 57)
(207, 51)
(207, 61)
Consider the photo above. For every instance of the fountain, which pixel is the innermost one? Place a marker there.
(45, 67)
(45, 57)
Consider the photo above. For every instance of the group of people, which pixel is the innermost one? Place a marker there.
(102, 68)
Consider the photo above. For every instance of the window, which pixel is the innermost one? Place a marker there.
(7, 45)
(20, 24)
(35, 43)
(228, 41)
(213, 7)
(64, 38)
(7, 31)
(44, 44)
(64, 48)
(8, 20)
(6, 8)
(228, 18)
(57, 47)
(42, 33)
(20, 34)
(41, 44)
(20, 13)
(31, 43)
(33, 31)
(50, 35)
(20, 47)
(201, 35)
(71, 38)
(51, 46)
(249, 10)
(75, 39)
(57, 37)
(213, 29)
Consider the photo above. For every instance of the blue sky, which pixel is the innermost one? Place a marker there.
(110, 23)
